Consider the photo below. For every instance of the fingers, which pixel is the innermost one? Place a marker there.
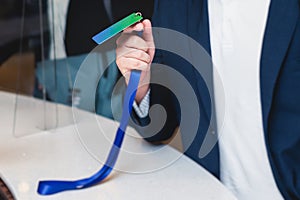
(132, 41)
(139, 55)
(128, 59)
(129, 64)
(129, 42)
(136, 52)
(136, 27)
(144, 26)
(133, 53)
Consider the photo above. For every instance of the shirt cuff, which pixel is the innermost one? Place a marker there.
(142, 110)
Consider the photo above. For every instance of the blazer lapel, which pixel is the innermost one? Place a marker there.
(281, 24)
(198, 29)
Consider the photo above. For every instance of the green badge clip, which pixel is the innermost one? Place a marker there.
(117, 27)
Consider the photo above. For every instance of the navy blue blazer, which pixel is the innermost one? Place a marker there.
(280, 86)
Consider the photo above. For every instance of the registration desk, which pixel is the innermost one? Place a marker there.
(75, 149)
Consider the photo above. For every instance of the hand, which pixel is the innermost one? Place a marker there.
(135, 52)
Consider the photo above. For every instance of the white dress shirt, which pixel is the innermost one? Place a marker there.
(236, 33)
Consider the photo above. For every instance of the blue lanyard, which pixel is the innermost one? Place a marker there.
(52, 187)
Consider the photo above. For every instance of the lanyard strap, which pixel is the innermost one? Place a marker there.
(52, 187)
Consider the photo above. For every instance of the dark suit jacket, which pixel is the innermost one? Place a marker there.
(280, 86)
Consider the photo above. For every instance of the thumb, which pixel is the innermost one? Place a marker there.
(147, 33)
(136, 27)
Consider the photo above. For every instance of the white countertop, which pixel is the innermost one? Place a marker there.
(75, 150)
